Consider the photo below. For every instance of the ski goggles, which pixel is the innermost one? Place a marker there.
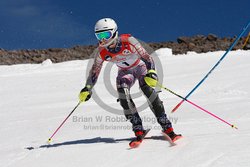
(103, 35)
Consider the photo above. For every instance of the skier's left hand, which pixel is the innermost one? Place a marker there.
(152, 74)
(151, 78)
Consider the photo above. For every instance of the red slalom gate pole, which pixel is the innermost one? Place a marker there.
(49, 140)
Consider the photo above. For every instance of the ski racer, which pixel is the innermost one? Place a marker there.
(134, 63)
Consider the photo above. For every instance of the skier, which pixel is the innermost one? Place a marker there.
(134, 63)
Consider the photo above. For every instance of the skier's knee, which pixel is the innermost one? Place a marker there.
(125, 98)
(122, 98)
(126, 102)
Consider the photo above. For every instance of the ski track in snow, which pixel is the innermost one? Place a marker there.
(36, 98)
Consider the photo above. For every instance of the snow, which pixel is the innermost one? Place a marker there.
(36, 98)
(47, 62)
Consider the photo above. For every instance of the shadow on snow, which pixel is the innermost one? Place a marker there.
(94, 141)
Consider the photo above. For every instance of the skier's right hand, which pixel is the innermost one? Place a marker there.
(85, 94)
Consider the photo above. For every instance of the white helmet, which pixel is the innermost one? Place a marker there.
(106, 31)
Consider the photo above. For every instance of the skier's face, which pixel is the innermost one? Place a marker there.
(103, 42)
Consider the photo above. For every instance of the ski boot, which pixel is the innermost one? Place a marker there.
(140, 135)
(173, 136)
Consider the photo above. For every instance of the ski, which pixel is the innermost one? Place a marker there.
(171, 141)
(136, 143)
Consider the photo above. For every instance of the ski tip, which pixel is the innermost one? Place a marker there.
(134, 144)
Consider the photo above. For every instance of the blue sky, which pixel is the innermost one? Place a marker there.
(38, 24)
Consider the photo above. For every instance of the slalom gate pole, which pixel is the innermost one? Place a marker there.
(245, 43)
(184, 99)
(229, 49)
(50, 139)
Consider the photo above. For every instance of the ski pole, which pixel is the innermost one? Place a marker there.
(215, 116)
(230, 48)
(49, 140)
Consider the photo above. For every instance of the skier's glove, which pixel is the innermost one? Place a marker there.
(151, 78)
(85, 94)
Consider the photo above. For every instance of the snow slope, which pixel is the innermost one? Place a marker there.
(34, 100)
